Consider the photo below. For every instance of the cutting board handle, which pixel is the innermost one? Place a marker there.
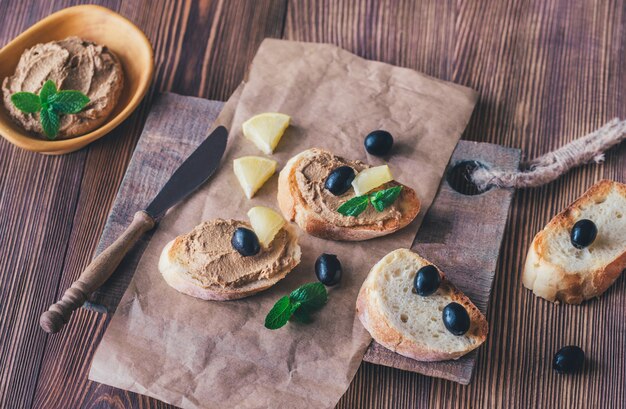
(96, 273)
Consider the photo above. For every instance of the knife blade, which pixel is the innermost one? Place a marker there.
(193, 172)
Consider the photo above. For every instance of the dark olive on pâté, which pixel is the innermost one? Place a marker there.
(339, 180)
(245, 241)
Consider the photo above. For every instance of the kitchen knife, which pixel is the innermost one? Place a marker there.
(194, 171)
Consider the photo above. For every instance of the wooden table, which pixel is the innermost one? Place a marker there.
(548, 71)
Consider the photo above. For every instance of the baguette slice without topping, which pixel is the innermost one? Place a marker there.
(295, 208)
(557, 271)
(174, 272)
(409, 324)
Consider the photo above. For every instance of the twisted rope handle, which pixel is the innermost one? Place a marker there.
(552, 165)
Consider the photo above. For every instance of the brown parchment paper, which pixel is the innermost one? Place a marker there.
(199, 354)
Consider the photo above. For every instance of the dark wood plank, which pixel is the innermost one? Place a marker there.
(550, 73)
(462, 239)
(175, 29)
(38, 196)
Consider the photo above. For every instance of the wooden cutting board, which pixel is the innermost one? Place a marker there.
(461, 232)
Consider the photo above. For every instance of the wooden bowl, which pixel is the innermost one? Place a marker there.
(93, 23)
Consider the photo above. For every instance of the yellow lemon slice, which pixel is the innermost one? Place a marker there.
(371, 178)
(252, 172)
(265, 223)
(265, 130)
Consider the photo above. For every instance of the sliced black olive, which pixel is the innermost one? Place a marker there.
(378, 143)
(340, 180)
(328, 269)
(245, 241)
(427, 280)
(569, 359)
(583, 233)
(456, 319)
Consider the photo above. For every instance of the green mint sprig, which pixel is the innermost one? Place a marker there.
(302, 301)
(379, 200)
(50, 103)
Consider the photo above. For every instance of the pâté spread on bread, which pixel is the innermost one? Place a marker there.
(311, 174)
(306, 197)
(70, 64)
(212, 262)
(223, 259)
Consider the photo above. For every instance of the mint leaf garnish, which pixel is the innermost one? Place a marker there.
(50, 123)
(26, 102)
(50, 103)
(311, 296)
(300, 304)
(48, 89)
(69, 102)
(280, 313)
(302, 316)
(384, 198)
(354, 206)
(380, 200)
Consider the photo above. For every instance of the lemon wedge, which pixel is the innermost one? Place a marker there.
(371, 178)
(265, 223)
(265, 130)
(252, 172)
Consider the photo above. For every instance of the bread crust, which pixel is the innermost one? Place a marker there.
(553, 282)
(175, 276)
(383, 332)
(295, 208)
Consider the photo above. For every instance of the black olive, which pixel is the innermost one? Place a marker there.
(245, 242)
(328, 269)
(340, 180)
(583, 233)
(378, 143)
(456, 319)
(427, 280)
(569, 359)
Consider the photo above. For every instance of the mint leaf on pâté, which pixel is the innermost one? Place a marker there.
(68, 102)
(49, 122)
(379, 200)
(354, 206)
(384, 198)
(26, 102)
(48, 89)
(50, 103)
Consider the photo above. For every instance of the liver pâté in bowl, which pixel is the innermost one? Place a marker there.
(92, 23)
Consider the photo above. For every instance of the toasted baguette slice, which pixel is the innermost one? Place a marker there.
(557, 271)
(175, 271)
(296, 208)
(409, 324)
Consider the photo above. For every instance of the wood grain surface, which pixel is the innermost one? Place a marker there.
(548, 71)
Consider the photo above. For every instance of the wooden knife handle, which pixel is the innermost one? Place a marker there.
(95, 274)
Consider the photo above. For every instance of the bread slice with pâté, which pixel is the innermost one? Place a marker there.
(303, 198)
(410, 324)
(204, 264)
(557, 270)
